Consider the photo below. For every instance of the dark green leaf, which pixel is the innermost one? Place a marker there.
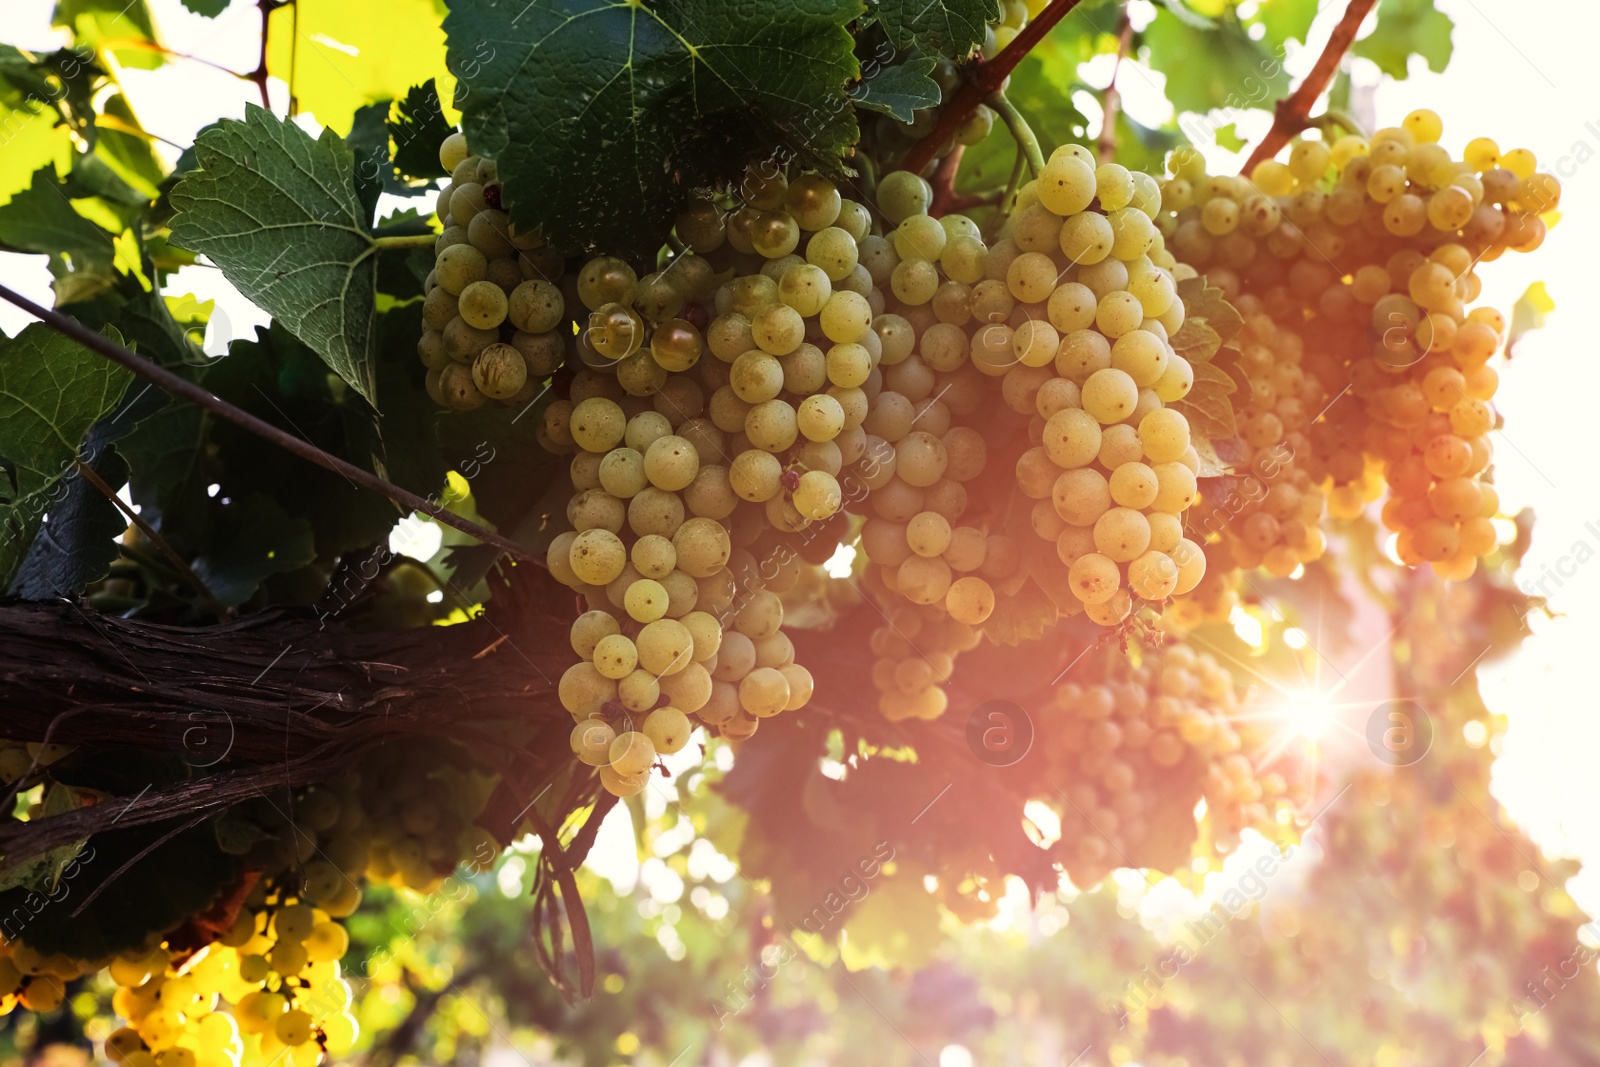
(369, 141)
(600, 115)
(209, 8)
(254, 539)
(418, 129)
(42, 219)
(1406, 28)
(899, 90)
(51, 391)
(76, 545)
(938, 27)
(280, 215)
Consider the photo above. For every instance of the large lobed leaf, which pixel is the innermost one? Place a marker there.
(600, 114)
(280, 215)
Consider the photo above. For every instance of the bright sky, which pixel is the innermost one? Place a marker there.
(1513, 78)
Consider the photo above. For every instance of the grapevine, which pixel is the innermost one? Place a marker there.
(778, 447)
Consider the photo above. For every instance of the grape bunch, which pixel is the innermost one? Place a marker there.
(491, 306)
(1138, 738)
(1366, 249)
(262, 984)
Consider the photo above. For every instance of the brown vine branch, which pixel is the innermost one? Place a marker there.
(259, 75)
(187, 390)
(1292, 114)
(212, 604)
(944, 181)
(1111, 99)
(984, 80)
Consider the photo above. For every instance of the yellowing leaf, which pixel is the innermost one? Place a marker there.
(34, 142)
(338, 55)
(1528, 313)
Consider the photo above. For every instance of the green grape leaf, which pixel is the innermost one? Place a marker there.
(600, 115)
(1528, 314)
(42, 219)
(369, 142)
(1285, 20)
(1228, 137)
(209, 8)
(1206, 302)
(1141, 147)
(949, 28)
(1406, 28)
(899, 90)
(1212, 68)
(51, 391)
(254, 539)
(1188, 15)
(1196, 341)
(280, 215)
(77, 543)
(1208, 409)
(418, 128)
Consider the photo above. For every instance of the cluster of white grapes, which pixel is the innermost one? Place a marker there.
(1360, 254)
(262, 984)
(1137, 736)
(804, 354)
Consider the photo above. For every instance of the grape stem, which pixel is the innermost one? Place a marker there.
(259, 75)
(1027, 142)
(1110, 98)
(408, 240)
(1338, 118)
(194, 394)
(1293, 113)
(984, 80)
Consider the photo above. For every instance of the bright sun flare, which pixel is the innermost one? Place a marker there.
(1308, 713)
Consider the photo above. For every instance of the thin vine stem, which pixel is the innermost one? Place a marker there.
(187, 573)
(1293, 113)
(984, 80)
(408, 240)
(1027, 141)
(194, 394)
(1111, 97)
